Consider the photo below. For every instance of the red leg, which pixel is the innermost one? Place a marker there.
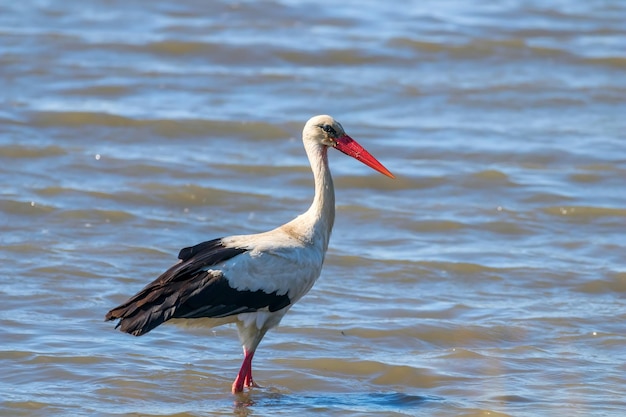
(248, 381)
(244, 377)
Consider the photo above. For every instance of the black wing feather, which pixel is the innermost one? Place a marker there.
(190, 290)
(209, 252)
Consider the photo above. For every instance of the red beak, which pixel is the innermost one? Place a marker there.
(352, 148)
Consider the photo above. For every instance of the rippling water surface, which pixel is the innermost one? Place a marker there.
(487, 279)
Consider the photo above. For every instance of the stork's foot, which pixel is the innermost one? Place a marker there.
(246, 382)
(251, 384)
(237, 388)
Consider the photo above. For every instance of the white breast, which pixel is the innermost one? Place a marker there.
(276, 262)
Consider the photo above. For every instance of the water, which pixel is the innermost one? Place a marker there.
(487, 279)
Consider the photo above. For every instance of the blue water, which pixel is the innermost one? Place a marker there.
(486, 279)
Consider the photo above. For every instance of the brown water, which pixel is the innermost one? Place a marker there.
(487, 279)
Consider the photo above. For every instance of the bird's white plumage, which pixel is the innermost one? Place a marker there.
(276, 262)
(288, 259)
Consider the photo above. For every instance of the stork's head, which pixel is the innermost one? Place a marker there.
(327, 131)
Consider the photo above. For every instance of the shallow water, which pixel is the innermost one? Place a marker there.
(487, 279)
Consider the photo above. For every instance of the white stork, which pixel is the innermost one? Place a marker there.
(250, 280)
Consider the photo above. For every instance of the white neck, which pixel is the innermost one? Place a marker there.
(317, 222)
(323, 206)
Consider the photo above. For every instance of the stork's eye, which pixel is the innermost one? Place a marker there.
(329, 129)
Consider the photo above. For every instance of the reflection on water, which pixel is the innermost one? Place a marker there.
(393, 402)
(487, 278)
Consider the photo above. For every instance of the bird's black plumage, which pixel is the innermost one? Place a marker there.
(190, 289)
